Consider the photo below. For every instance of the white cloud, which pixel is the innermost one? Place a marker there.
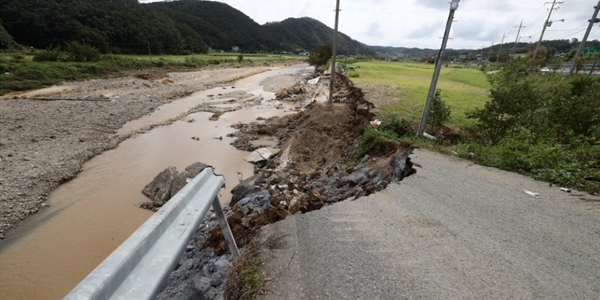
(420, 23)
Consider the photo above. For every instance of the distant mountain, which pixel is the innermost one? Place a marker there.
(184, 26)
(220, 25)
(306, 33)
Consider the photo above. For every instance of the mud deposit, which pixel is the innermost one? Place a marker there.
(45, 143)
(88, 217)
(315, 167)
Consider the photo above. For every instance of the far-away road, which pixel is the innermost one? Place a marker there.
(452, 231)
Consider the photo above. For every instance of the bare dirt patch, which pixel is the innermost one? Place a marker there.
(45, 143)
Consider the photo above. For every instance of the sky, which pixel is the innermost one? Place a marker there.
(421, 23)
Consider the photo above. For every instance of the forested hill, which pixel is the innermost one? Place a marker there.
(110, 25)
(306, 33)
(220, 25)
(174, 27)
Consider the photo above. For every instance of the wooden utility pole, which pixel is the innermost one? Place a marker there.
(517, 39)
(500, 49)
(546, 24)
(335, 38)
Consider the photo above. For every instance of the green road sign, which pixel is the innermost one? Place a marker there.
(591, 49)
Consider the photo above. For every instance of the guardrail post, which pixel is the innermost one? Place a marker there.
(225, 228)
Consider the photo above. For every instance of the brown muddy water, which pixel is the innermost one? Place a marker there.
(93, 214)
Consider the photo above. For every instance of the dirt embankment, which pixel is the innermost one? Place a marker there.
(315, 167)
(45, 139)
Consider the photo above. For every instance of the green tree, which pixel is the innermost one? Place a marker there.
(319, 56)
(6, 41)
(439, 113)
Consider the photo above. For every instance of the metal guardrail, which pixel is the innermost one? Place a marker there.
(140, 266)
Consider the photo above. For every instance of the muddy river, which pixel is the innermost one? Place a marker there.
(93, 214)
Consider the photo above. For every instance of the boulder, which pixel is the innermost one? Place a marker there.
(183, 178)
(159, 190)
(168, 183)
(245, 188)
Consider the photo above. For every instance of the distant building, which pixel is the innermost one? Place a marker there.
(304, 53)
(235, 49)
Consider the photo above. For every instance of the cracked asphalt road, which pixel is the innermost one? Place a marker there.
(452, 231)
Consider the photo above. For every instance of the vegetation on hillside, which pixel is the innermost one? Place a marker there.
(174, 27)
(6, 41)
(307, 33)
(220, 25)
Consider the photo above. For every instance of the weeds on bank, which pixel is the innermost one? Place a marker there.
(246, 280)
(378, 140)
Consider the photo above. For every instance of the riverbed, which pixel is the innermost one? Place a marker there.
(89, 216)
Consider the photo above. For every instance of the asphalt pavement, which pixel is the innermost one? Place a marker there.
(454, 230)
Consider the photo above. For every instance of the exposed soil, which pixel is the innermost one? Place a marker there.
(45, 143)
(316, 165)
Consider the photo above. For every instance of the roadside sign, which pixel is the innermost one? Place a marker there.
(591, 49)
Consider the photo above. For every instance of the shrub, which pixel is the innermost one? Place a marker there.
(353, 74)
(50, 54)
(386, 137)
(80, 53)
(320, 55)
(17, 57)
(439, 113)
(240, 58)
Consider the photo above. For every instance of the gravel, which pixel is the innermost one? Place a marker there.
(45, 143)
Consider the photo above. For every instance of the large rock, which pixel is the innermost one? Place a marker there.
(255, 203)
(402, 166)
(245, 188)
(168, 183)
(182, 178)
(159, 190)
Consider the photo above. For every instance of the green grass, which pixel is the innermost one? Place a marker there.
(18, 71)
(462, 89)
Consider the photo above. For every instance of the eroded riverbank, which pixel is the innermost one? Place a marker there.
(91, 215)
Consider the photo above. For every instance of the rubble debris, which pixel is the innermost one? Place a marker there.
(259, 156)
(532, 194)
(315, 167)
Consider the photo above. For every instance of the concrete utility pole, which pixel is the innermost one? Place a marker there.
(500, 49)
(490, 54)
(517, 39)
(438, 68)
(149, 51)
(335, 37)
(546, 24)
(587, 34)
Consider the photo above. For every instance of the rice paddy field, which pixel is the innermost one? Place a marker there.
(402, 87)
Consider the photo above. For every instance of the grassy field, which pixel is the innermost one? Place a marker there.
(19, 71)
(462, 89)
